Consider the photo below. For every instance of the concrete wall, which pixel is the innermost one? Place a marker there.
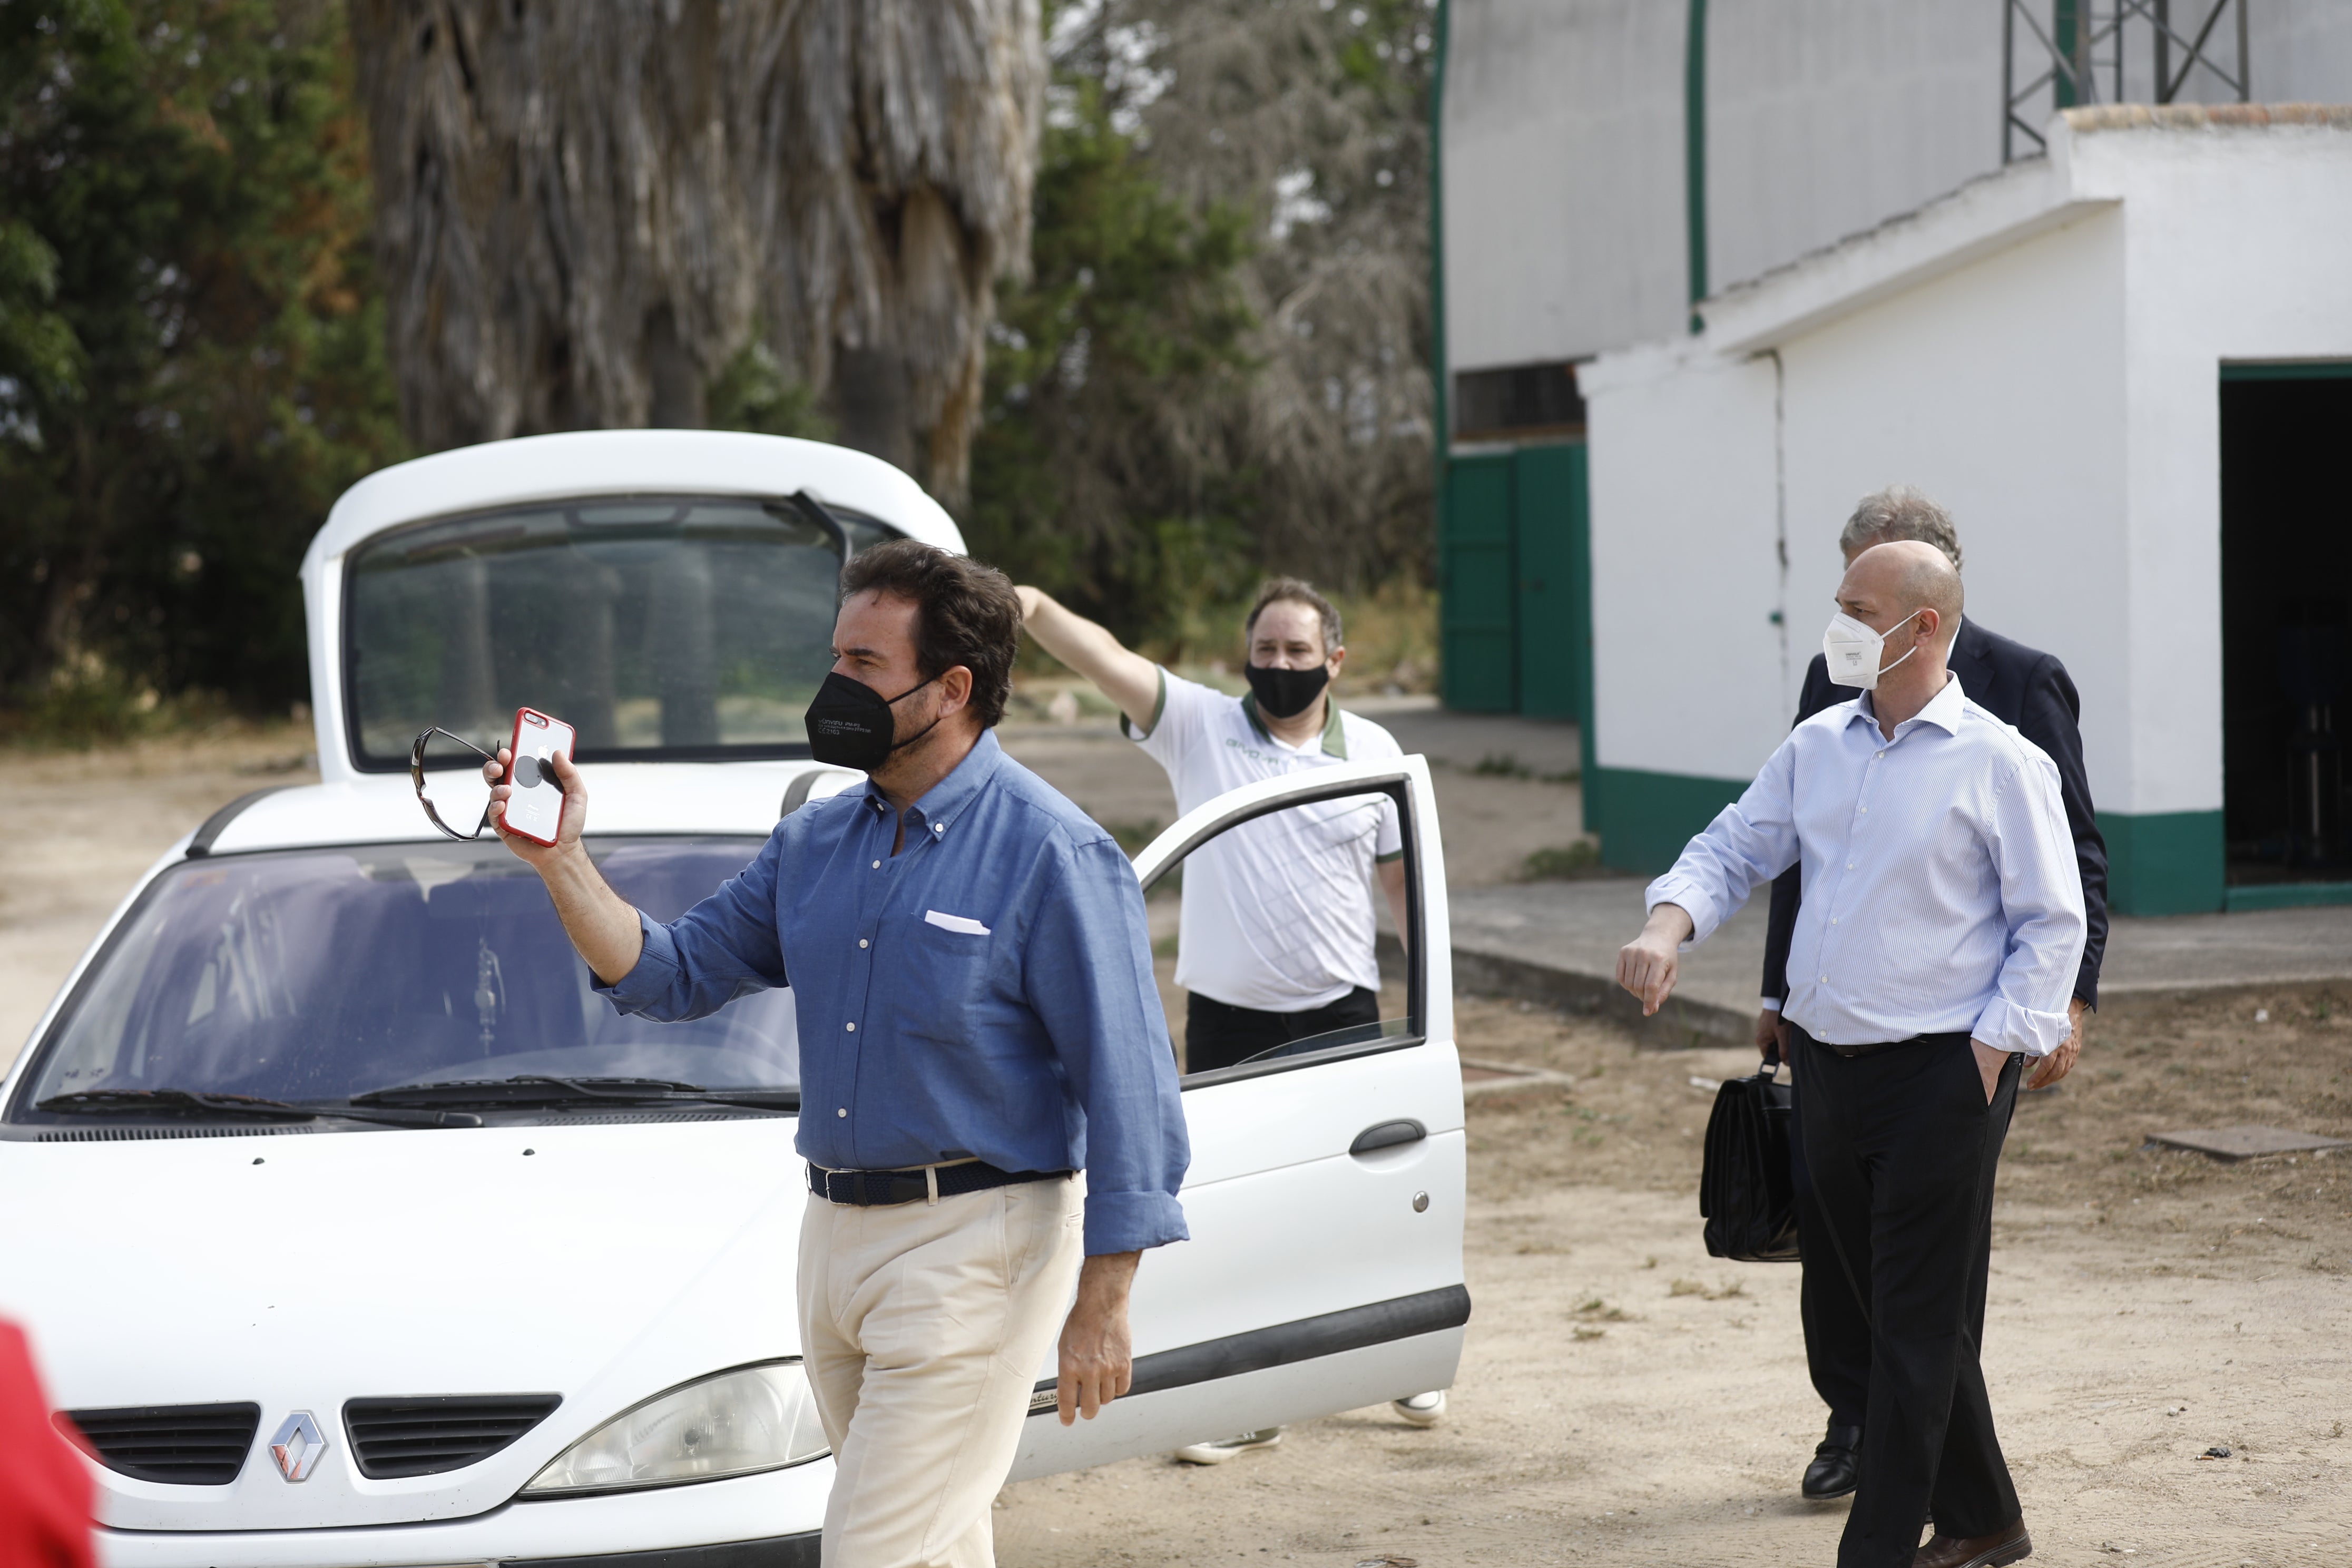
(1564, 228)
(2237, 243)
(2058, 392)
(1690, 667)
(1999, 391)
(1825, 117)
(1563, 146)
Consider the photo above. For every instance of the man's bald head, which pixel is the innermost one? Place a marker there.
(1903, 576)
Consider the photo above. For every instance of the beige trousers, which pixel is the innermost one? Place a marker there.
(923, 1326)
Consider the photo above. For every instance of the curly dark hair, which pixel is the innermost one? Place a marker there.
(968, 614)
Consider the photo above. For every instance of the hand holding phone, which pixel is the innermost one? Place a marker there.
(532, 795)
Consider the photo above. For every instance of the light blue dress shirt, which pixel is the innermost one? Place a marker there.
(1941, 887)
(986, 992)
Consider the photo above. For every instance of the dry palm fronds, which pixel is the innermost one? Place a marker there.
(584, 210)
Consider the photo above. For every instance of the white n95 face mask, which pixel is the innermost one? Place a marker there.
(1852, 650)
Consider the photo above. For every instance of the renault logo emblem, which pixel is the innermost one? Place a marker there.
(297, 1446)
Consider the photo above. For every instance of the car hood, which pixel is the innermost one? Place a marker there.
(601, 1259)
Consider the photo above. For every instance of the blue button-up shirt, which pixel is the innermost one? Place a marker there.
(986, 992)
(1942, 891)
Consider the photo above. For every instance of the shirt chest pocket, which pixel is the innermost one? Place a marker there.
(951, 961)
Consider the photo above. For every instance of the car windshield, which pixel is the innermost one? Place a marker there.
(318, 974)
(695, 627)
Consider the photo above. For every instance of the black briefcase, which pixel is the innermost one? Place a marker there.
(1745, 1191)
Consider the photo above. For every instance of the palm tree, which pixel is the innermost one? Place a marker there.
(584, 212)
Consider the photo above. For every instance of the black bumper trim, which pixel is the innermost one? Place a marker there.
(1350, 1329)
(776, 1552)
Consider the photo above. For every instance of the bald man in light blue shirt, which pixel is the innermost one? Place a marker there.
(1937, 948)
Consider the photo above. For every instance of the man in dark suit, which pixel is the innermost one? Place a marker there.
(2027, 688)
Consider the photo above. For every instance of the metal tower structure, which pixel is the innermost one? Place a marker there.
(2086, 47)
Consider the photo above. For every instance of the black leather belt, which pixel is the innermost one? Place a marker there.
(878, 1189)
(1874, 1047)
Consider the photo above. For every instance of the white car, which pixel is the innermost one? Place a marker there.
(352, 1228)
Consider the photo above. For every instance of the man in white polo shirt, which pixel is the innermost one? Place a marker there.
(1275, 939)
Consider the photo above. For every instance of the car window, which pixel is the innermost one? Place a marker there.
(317, 974)
(1274, 938)
(695, 627)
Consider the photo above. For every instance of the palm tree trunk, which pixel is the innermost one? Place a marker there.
(583, 212)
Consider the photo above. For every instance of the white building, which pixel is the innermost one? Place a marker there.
(2117, 361)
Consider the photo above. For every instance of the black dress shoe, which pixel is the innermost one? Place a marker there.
(1998, 1550)
(1837, 1465)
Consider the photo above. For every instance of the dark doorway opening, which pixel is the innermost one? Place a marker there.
(2286, 622)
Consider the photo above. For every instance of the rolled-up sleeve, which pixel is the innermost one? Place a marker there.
(724, 947)
(2042, 903)
(1752, 840)
(1087, 976)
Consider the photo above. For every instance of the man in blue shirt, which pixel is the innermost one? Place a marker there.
(1942, 928)
(2031, 690)
(978, 1019)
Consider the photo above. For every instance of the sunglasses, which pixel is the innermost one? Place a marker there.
(416, 776)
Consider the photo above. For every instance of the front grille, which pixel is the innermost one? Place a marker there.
(394, 1437)
(180, 1444)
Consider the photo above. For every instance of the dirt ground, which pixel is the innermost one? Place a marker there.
(82, 826)
(1626, 1398)
(1623, 1397)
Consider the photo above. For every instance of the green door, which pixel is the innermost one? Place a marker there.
(1478, 625)
(1554, 634)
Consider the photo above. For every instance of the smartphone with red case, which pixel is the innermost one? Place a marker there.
(535, 810)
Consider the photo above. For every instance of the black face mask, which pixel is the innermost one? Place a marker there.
(1286, 693)
(851, 725)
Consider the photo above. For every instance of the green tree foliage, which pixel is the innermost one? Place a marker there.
(191, 352)
(1219, 368)
(754, 392)
(1102, 470)
(1310, 117)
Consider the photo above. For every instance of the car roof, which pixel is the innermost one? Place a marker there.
(626, 798)
(532, 469)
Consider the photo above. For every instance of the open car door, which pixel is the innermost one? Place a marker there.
(1327, 1188)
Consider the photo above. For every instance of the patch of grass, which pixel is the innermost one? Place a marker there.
(1505, 766)
(89, 703)
(1563, 863)
(1730, 1289)
(1585, 1333)
(1593, 1309)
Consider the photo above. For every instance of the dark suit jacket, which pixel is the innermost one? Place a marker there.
(2017, 684)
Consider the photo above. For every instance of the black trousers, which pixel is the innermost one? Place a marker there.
(1218, 1035)
(1901, 1147)
(1837, 1334)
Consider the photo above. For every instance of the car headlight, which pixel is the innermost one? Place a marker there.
(732, 1424)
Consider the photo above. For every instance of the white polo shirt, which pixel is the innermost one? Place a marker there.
(1277, 912)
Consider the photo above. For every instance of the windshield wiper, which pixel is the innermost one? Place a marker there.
(102, 1102)
(547, 1089)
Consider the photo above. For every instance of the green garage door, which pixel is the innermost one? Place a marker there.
(1478, 621)
(1515, 566)
(1554, 635)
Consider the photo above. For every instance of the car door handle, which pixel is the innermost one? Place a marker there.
(1388, 1135)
